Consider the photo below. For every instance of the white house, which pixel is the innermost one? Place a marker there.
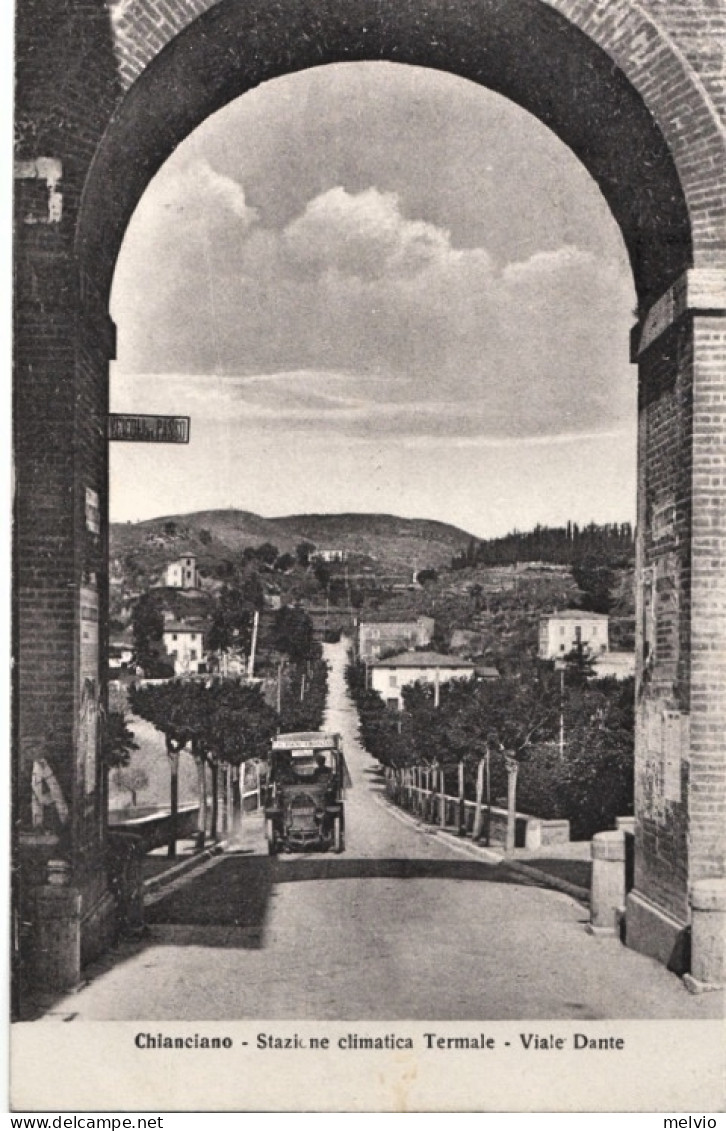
(183, 573)
(120, 655)
(389, 677)
(560, 633)
(329, 555)
(184, 645)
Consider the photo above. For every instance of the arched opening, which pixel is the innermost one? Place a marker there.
(379, 289)
(633, 109)
(591, 112)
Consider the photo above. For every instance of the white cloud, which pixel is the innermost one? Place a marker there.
(358, 318)
(363, 234)
(214, 189)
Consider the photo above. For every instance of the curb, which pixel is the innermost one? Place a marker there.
(582, 895)
(154, 883)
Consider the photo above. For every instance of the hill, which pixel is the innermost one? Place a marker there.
(385, 543)
(392, 542)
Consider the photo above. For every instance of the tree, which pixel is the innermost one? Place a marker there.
(303, 696)
(579, 666)
(205, 536)
(194, 719)
(502, 720)
(117, 741)
(132, 779)
(252, 591)
(147, 622)
(303, 551)
(164, 706)
(267, 553)
(231, 622)
(427, 576)
(596, 579)
(241, 726)
(322, 574)
(293, 633)
(284, 563)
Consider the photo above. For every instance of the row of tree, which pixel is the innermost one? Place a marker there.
(222, 724)
(573, 746)
(612, 543)
(267, 555)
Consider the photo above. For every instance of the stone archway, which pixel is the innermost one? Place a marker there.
(106, 93)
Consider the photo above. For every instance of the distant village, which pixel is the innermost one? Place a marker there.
(432, 626)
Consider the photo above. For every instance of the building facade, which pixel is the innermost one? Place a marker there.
(183, 573)
(184, 645)
(561, 633)
(334, 555)
(374, 640)
(389, 677)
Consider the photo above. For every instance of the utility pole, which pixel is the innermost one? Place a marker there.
(251, 664)
(562, 712)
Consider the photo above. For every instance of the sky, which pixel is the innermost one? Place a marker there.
(376, 287)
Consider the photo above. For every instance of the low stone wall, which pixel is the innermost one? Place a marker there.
(530, 832)
(153, 829)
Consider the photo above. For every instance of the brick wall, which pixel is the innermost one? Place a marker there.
(663, 629)
(708, 602)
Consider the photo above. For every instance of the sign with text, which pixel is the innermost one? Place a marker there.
(147, 429)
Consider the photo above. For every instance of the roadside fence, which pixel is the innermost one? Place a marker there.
(422, 791)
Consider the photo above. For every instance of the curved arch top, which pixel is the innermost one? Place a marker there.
(594, 74)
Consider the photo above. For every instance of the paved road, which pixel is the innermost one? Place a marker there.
(403, 926)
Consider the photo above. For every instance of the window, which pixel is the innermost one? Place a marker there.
(392, 702)
(173, 636)
(194, 636)
(562, 647)
(392, 681)
(562, 630)
(193, 654)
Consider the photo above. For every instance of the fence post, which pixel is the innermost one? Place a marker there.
(462, 809)
(478, 826)
(442, 790)
(511, 835)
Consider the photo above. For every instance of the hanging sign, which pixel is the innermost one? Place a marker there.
(147, 429)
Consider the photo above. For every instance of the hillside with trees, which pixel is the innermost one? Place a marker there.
(226, 540)
(610, 543)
